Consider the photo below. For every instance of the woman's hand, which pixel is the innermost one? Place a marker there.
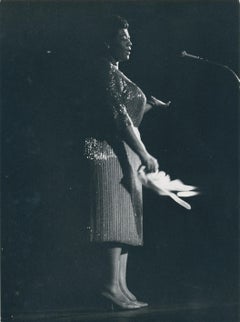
(157, 103)
(150, 163)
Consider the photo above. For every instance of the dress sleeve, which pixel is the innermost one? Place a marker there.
(115, 100)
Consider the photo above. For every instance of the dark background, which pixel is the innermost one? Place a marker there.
(189, 256)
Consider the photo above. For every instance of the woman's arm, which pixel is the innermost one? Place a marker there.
(153, 102)
(132, 138)
(123, 123)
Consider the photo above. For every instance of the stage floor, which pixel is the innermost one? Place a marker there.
(198, 312)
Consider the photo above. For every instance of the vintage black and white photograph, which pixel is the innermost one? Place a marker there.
(120, 161)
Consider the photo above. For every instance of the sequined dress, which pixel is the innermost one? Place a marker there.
(114, 188)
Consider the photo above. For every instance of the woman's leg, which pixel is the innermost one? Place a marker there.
(123, 280)
(111, 284)
(112, 268)
(123, 276)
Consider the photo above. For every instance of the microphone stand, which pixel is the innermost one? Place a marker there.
(223, 66)
(185, 54)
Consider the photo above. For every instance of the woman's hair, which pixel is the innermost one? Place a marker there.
(111, 25)
(102, 32)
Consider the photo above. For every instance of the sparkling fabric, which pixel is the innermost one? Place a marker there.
(115, 190)
(97, 150)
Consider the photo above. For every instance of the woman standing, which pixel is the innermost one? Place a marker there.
(114, 152)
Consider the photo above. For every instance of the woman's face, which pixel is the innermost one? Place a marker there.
(120, 47)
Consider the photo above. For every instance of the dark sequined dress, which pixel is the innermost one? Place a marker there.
(115, 191)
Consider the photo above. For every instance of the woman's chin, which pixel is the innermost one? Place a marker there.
(125, 58)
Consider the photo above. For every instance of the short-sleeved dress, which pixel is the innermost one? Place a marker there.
(115, 191)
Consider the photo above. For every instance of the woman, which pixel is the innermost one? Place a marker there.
(114, 152)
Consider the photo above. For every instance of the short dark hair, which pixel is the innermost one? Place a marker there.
(111, 25)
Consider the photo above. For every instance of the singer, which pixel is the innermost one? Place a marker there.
(113, 152)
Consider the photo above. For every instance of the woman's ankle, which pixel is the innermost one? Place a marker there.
(111, 288)
(127, 292)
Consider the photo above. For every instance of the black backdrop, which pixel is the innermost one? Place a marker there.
(188, 257)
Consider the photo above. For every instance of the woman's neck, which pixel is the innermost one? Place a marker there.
(113, 61)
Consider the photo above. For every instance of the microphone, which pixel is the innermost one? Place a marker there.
(185, 54)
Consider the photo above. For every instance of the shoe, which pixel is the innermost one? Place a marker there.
(141, 304)
(133, 299)
(116, 304)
